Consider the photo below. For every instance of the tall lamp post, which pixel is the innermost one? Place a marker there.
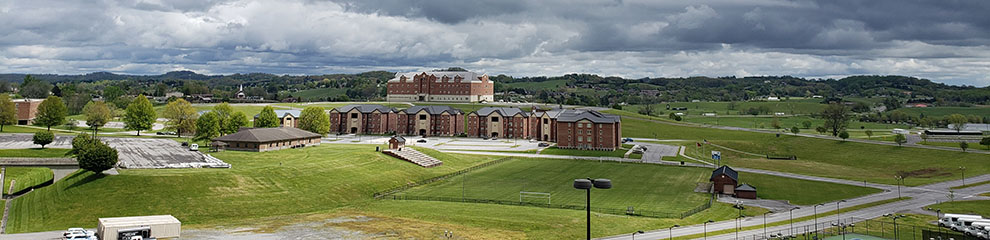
(791, 232)
(816, 217)
(963, 171)
(900, 180)
(838, 218)
(765, 224)
(586, 185)
(738, 219)
(706, 228)
(894, 217)
(670, 231)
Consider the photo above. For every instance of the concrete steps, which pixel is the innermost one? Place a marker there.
(413, 156)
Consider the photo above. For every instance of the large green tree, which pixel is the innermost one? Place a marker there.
(181, 116)
(8, 112)
(958, 121)
(267, 118)
(34, 88)
(207, 126)
(836, 118)
(140, 115)
(314, 119)
(97, 114)
(224, 113)
(238, 120)
(96, 156)
(51, 112)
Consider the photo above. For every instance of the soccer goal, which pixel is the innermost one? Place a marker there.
(536, 195)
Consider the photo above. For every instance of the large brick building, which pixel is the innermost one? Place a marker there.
(501, 122)
(363, 119)
(27, 109)
(441, 87)
(587, 129)
(430, 121)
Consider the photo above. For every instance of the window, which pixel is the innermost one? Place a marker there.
(422, 117)
(354, 115)
(545, 121)
(494, 119)
(580, 138)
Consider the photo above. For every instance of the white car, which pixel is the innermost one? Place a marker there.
(193, 147)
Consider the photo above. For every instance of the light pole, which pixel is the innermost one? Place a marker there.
(586, 184)
(738, 219)
(791, 232)
(900, 180)
(963, 170)
(838, 218)
(637, 232)
(892, 216)
(706, 228)
(816, 217)
(670, 233)
(765, 224)
(842, 227)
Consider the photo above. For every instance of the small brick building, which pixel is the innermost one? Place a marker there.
(286, 118)
(746, 191)
(724, 180)
(396, 142)
(27, 110)
(430, 121)
(268, 139)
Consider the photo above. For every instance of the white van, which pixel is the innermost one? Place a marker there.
(977, 228)
(964, 223)
(984, 234)
(949, 219)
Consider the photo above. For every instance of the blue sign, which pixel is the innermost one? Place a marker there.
(716, 155)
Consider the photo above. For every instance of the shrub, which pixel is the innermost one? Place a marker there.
(43, 138)
(97, 157)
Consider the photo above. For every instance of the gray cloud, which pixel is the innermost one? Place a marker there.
(945, 41)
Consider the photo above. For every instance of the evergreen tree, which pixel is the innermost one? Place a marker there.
(140, 115)
(267, 118)
(51, 112)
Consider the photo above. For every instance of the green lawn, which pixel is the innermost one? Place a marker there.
(802, 192)
(258, 185)
(978, 207)
(820, 157)
(619, 153)
(26, 177)
(785, 122)
(536, 86)
(32, 129)
(794, 106)
(318, 94)
(982, 111)
(34, 152)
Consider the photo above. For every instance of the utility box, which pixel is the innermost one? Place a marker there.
(156, 227)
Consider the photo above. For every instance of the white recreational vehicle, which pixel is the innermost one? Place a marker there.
(979, 229)
(964, 223)
(949, 219)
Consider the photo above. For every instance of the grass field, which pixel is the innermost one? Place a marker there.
(982, 111)
(26, 177)
(32, 129)
(764, 122)
(794, 106)
(318, 94)
(536, 86)
(619, 153)
(265, 184)
(34, 152)
(978, 207)
(637, 185)
(820, 157)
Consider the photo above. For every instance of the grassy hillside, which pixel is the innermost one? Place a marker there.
(25, 177)
(275, 183)
(979, 207)
(982, 111)
(318, 94)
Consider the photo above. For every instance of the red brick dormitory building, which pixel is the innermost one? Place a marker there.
(378, 119)
(430, 121)
(447, 86)
(363, 119)
(579, 129)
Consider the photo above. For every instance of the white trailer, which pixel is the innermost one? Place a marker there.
(979, 229)
(949, 219)
(964, 224)
(157, 227)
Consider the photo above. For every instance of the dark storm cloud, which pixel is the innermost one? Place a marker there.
(943, 40)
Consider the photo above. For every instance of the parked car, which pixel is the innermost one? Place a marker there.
(494, 138)
(159, 133)
(78, 234)
(193, 147)
(421, 141)
(627, 140)
(543, 144)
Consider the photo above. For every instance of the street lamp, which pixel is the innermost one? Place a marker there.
(706, 227)
(792, 219)
(892, 216)
(963, 170)
(765, 224)
(842, 227)
(739, 218)
(900, 180)
(816, 217)
(670, 231)
(586, 184)
(838, 218)
(637, 232)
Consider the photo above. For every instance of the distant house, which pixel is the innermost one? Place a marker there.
(724, 180)
(773, 99)
(745, 191)
(268, 139)
(286, 118)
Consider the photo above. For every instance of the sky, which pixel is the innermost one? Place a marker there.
(946, 40)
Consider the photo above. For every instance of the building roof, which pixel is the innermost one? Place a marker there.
(746, 187)
(138, 220)
(725, 170)
(282, 113)
(432, 109)
(550, 113)
(365, 108)
(261, 135)
(504, 111)
(466, 76)
(399, 138)
(572, 115)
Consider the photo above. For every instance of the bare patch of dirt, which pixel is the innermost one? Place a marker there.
(925, 173)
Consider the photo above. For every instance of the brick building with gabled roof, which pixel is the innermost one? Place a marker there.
(363, 119)
(430, 121)
(268, 139)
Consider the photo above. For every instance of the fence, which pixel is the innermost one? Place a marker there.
(880, 229)
(394, 190)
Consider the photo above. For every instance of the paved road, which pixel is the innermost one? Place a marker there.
(921, 196)
(971, 150)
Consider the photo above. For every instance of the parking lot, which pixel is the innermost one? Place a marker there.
(132, 152)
